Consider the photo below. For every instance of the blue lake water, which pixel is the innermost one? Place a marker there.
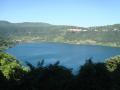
(69, 55)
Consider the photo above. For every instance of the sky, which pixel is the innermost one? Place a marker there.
(62, 12)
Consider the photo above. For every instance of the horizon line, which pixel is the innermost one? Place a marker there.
(58, 24)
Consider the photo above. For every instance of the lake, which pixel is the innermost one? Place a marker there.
(69, 55)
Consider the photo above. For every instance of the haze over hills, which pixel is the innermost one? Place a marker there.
(38, 31)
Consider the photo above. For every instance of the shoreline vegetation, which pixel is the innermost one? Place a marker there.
(86, 42)
(6, 43)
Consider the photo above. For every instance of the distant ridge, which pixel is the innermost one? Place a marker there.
(44, 23)
(108, 35)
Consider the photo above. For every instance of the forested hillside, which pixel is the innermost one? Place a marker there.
(37, 31)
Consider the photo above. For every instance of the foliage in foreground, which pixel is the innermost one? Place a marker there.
(8, 65)
(112, 63)
(91, 76)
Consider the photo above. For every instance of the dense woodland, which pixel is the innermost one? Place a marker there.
(30, 31)
(91, 76)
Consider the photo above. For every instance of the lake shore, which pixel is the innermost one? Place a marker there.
(86, 42)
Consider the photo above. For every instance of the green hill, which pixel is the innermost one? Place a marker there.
(38, 31)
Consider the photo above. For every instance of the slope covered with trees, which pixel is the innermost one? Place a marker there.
(30, 31)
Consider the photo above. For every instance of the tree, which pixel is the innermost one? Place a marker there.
(112, 63)
(51, 77)
(9, 65)
(93, 76)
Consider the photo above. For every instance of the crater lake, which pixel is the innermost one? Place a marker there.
(69, 55)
